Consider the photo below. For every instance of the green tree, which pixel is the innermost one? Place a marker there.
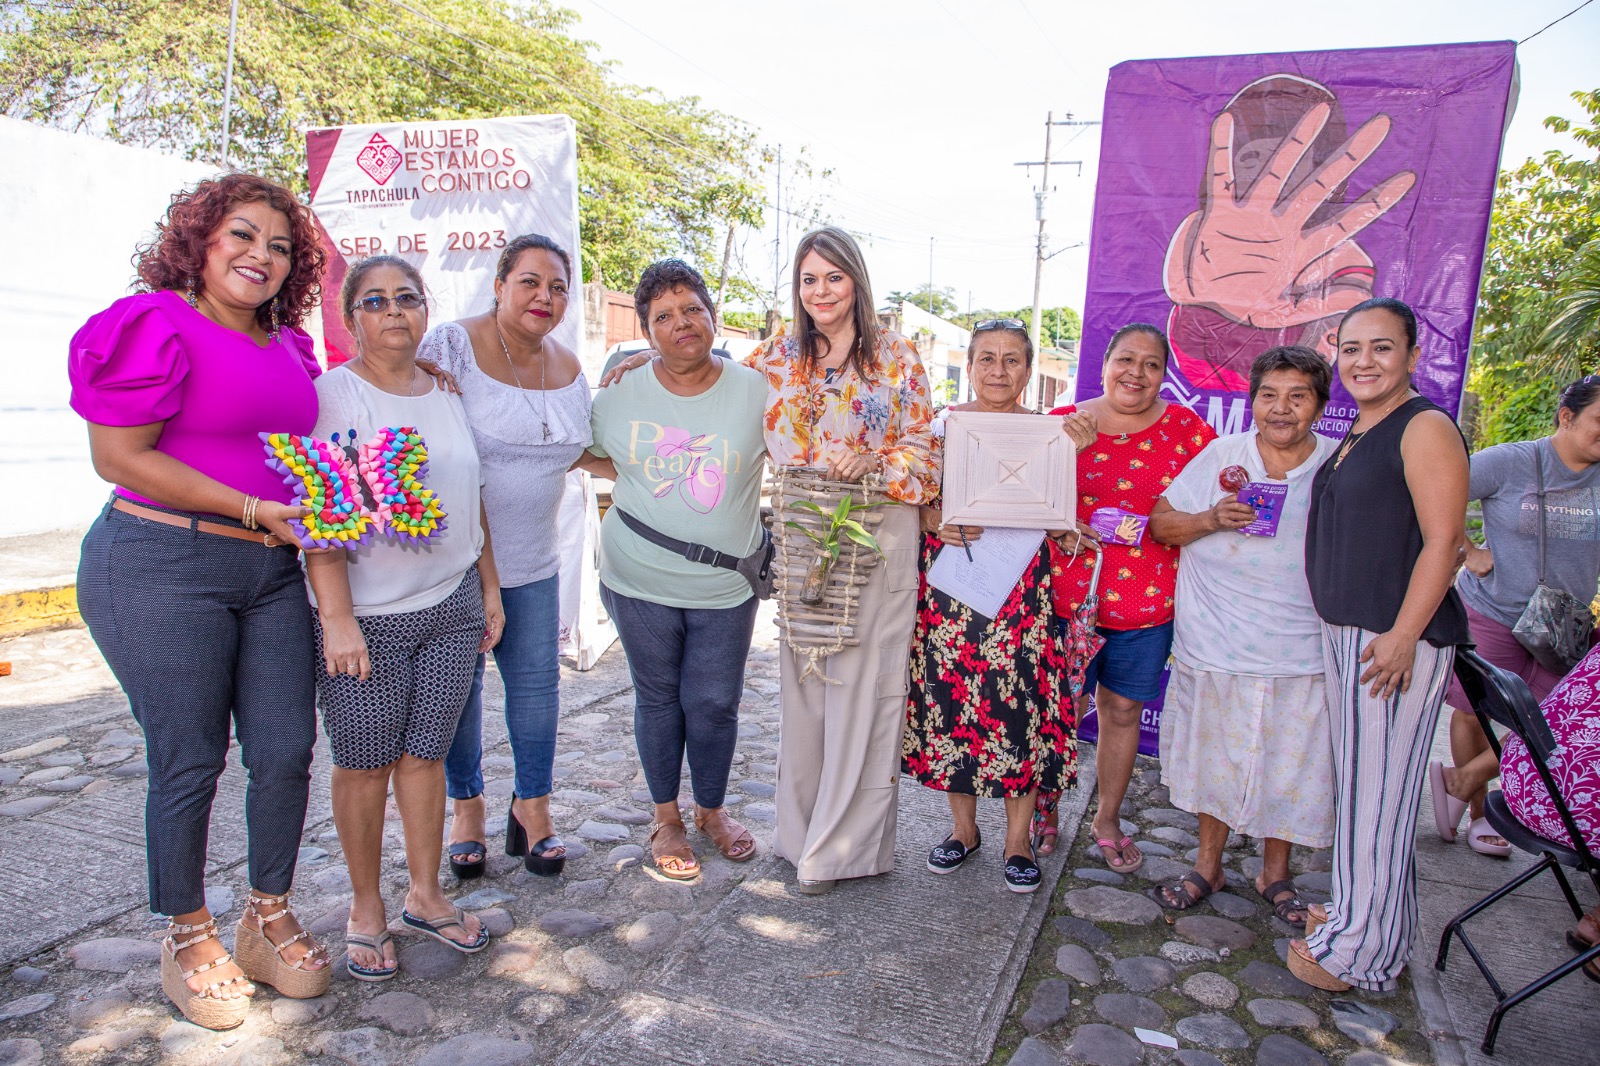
(657, 176)
(941, 305)
(1532, 331)
(1058, 326)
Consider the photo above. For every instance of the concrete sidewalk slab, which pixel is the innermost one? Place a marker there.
(1520, 937)
(38, 581)
(905, 968)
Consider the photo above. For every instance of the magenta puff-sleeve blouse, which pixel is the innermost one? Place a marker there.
(153, 358)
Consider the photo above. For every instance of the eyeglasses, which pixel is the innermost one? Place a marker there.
(999, 323)
(406, 301)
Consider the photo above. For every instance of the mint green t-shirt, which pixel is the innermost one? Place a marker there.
(690, 467)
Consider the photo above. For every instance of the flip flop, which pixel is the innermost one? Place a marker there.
(1283, 908)
(1477, 838)
(1447, 810)
(1117, 847)
(372, 943)
(458, 918)
(1175, 897)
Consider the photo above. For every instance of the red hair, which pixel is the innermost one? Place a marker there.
(178, 254)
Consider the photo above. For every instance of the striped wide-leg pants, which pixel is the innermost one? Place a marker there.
(1380, 754)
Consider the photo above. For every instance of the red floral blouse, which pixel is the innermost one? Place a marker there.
(1136, 582)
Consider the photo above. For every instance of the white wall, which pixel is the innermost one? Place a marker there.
(73, 209)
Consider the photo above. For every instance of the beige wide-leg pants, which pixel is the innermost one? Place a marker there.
(839, 748)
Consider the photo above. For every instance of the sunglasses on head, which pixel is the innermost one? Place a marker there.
(406, 301)
(999, 323)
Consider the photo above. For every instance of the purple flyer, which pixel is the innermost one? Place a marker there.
(1268, 500)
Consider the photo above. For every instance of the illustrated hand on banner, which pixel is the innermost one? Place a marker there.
(1272, 246)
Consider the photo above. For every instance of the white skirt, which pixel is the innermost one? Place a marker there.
(1253, 752)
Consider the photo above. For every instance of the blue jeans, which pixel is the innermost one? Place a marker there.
(528, 659)
(688, 674)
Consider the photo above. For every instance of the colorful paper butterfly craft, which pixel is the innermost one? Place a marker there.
(353, 491)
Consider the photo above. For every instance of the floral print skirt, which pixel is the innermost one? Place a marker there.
(990, 711)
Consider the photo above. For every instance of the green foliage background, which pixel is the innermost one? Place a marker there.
(657, 176)
(1538, 323)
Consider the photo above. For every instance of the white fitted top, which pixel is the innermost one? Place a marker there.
(523, 474)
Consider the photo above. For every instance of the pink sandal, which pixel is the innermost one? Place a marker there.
(1117, 848)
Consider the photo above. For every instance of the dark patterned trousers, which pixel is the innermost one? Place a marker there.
(204, 632)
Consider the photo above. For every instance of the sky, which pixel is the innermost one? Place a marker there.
(920, 108)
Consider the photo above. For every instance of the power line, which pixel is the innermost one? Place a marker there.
(1563, 18)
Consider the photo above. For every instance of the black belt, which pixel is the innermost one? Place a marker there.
(695, 553)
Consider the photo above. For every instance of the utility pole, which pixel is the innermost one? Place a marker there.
(227, 80)
(1039, 195)
(930, 277)
(777, 235)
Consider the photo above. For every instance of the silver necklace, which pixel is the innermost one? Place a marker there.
(544, 397)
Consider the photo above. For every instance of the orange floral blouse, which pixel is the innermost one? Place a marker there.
(888, 413)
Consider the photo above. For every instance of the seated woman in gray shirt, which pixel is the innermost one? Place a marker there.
(1500, 577)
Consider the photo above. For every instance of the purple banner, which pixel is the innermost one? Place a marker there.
(1198, 230)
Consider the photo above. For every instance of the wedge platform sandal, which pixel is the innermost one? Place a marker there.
(202, 1008)
(305, 978)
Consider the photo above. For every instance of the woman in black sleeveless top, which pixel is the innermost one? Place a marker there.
(1381, 554)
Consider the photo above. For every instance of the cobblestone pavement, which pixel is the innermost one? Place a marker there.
(1110, 962)
(606, 964)
(610, 964)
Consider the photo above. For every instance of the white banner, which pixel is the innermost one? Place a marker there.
(447, 197)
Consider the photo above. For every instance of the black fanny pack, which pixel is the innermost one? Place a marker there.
(755, 567)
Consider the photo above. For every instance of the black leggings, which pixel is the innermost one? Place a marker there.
(201, 629)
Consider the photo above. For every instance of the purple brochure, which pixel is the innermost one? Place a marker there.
(1268, 500)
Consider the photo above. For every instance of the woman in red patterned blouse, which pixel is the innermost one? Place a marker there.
(1143, 443)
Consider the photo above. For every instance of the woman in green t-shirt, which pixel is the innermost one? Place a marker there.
(685, 438)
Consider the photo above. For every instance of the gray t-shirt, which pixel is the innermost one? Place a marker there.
(1503, 478)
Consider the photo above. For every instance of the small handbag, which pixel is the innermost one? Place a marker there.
(1555, 626)
(756, 568)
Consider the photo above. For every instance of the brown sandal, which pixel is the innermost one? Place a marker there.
(731, 838)
(670, 851)
(1290, 904)
(263, 960)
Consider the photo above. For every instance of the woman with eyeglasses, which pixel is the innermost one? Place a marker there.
(988, 714)
(188, 579)
(1500, 577)
(527, 402)
(399, 624)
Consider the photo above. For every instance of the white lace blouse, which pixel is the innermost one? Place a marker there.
(523, 473)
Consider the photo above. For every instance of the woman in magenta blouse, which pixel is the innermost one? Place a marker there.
(189, 579)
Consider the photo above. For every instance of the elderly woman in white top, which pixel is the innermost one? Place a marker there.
(1245, 738)
(399, 623)
(528, 405)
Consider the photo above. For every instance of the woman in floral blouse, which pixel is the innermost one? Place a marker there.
(1144, 443)
(846, 395)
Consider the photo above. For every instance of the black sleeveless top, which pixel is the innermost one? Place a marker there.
(1363, 539)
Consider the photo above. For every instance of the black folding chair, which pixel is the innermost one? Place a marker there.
(1502, 697)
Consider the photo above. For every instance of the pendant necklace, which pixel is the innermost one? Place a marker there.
(544, 397)
(1355, 438)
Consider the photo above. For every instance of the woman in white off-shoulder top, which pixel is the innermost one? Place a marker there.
(527, 403)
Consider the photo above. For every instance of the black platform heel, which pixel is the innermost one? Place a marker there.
(541, 863)
(537, 859)
(516, 836)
